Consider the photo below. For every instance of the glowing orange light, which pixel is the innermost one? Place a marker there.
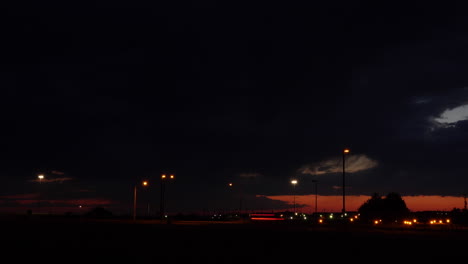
(172, 176)
(145, 183)
(230, 184)
(346, 150)
(163, 176)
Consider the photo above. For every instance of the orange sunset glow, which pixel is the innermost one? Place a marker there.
(306, 203)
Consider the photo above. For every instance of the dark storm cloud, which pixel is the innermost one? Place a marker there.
(122, 92)
(418, 97)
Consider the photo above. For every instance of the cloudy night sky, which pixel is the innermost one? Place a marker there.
(100, 97)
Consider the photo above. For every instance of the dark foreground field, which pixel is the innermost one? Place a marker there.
(106, 241)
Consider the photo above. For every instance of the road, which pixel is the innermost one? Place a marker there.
(82, 240)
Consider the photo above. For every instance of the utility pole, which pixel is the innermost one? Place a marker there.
(161, 206)
(345, 151)
(464, 195)
(134, 202)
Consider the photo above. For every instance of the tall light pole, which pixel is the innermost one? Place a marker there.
(164, 178)
(464, 196)
(40, 177)
(144, 183)
(315, 182)
(240, 197)
(294, 182)
(345, 151)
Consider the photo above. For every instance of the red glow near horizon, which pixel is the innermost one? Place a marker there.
(306, 203)
(353, 202)
(262, 214)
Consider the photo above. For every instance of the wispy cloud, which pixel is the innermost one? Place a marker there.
(85, 191)
(421, 100)
(449, 117)
(60, 180)
(354, 163)
(249, 175)
(87, 202)
(20, 196)
(32, 199)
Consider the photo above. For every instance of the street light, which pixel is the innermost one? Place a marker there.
(294, 182)
(40, 177)
(345, 151)
(164, 178)
(144, 184)
(240, 197)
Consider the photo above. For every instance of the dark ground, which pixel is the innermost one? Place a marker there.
(104, 241)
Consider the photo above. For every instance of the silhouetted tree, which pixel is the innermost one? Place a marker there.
(370, 210)
(390, 208)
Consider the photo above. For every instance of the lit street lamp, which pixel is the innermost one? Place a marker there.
(164, 178)
(294, 182)
(40, 177)
(345, 151)
(240, 197)
(144, 183)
